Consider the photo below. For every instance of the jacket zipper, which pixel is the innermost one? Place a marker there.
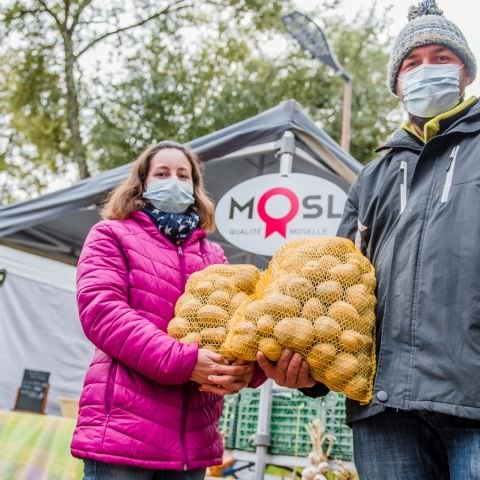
(403, 186)
(110, 385)
(184, 424)
(183, 280)
(449, 177)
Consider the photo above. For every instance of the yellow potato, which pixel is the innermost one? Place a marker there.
(341, 371)
(214, 336)
(367, 321)
(352, 341)
(281, 306)
(265, 325)
(212, 316)
(237, 300)
(244, 328)
(369, 280)
(225, 284)
(329, 291)
(246, 281)
(295, 333)
(243, 347)
(188, 308)
(313, 309)
(270, 348)
(326, 329)
(254, 310)
(201, 289)
(226, 353)
(317, 270)
(192, 337)
(360, 261)
(178, 327)
(345, 274)
(221, 298)
(299, 288)
(358, 300)
(344, 314)
(321, 355)
(357, 388)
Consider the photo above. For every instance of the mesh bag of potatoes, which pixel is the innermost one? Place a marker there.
(203, 312)
(316, 298)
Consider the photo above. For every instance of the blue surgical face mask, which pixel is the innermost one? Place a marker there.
(429, 90)
(170, 195)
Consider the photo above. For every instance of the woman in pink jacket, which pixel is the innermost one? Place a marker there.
(150, 405)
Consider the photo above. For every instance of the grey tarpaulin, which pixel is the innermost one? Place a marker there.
(56, 224)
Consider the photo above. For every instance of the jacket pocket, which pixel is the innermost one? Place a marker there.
(110, 385)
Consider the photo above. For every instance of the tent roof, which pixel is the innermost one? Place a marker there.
(36, 217)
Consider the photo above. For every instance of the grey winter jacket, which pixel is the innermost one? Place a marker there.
(416, 214)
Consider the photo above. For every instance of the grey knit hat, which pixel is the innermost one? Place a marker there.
(426, 26)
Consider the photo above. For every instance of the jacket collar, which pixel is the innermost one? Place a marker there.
(147, 224)
(465, 121)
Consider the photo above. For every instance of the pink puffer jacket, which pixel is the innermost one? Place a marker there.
(138, 406)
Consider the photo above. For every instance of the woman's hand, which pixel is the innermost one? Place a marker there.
(290, 371)
(212, 369)
(233, 382)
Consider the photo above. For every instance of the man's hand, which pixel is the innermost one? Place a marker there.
(291, 370)
(224, 384)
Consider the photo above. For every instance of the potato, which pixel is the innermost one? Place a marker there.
(201, 289)
(178, 327)
(295, 333)
(342, 369)
(321, 355)
(214, 336)
(344, 314)
(245, 328)
(188, 308)
(237, 300)
(212, 316)
(358, 297)
(226, 353)
(270, 348)
(313, 309)
(299, 288)
(372, 301)
(352, 341)
(338, 246)
(254, 310)
(317, 270)
(225, 284)
(243, 347)
(369, 280)
(357, 388)
(246, 281)
(329, 291)
(265, 325)
(360, 261)
(221, 298)
(367, 321)
(281, 306)
(326, 329)
(192, 337)
(345, 274)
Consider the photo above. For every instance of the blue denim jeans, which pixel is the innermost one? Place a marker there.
(93, 470)
(398, 445)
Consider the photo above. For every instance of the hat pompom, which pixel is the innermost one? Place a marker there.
(426, 7)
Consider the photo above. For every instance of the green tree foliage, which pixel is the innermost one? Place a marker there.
(183, 69)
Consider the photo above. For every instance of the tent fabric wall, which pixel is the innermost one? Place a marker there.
(40, 327)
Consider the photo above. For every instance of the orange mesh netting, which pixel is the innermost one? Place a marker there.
(316, 298)
(211, 297)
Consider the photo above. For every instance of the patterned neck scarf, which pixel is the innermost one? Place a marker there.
(175, 226)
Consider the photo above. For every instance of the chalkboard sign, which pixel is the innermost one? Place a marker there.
(32, 394)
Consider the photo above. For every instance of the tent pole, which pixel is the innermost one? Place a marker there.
(262, 438)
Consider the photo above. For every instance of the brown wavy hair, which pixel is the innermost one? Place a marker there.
(127, 197)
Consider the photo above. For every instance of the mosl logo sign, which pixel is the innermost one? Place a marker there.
(261, 214)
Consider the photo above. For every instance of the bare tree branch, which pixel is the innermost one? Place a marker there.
(78, 13)
(51, 13)
(177, 3)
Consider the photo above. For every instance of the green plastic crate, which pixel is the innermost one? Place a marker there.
(228, 421)
(247, 419)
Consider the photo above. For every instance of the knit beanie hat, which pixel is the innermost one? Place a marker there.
(426, 26)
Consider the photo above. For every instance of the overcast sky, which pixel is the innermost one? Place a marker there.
(465, 13)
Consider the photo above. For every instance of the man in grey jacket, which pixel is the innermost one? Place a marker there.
(415, 212)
